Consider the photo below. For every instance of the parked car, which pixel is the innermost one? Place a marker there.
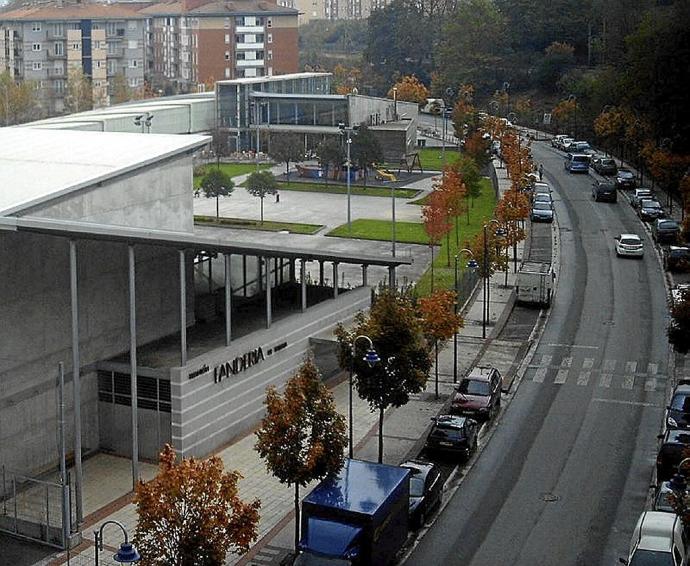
(426, 488)
(677, 258)
(657, 540)
(565, 143)
(665, 231)
(678, 410)
(580, 147)
(680, 292)
(541, 187)
(604, 165)
(604, 190)
(640, 194)
(625, 178)
(629, 245)
(577, 163)
(542, 197)
(479, 394)
(542, 212)
(557, 139)
(452, 434)
(670, 453)
(650, 210)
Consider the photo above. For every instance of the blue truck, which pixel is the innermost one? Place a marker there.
(359, 517)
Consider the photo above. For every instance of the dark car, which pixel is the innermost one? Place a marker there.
(479, 394)
(453, 435)
(605, 191)
(665, 231)
(662, 500)
(625, 178)
(670, 453)
(678, 410)
(640, 194)
(650, 210)
(677, 258)
(426, 487)
(604, 165)
(541, 212)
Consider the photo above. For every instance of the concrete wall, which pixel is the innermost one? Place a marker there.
(206, 415)
(35, 333)
(159, 197)
(370, 109)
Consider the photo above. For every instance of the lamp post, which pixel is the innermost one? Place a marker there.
(487, 279)
(144, 120)
(347, 131)
(502, 233)
(472, 264)
(126, 555)
(395, 103)
(371, 358)
(449, 94)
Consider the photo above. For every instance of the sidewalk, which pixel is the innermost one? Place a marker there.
(404, 433)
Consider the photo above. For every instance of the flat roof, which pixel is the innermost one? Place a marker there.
(260, 94)
(38, 165)
(272, 78)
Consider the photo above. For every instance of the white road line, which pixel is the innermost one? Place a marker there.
(546, 360)
(561, 376)
(623, 402)
(628, 381)
(609, 365)
(630, 367)
(567, 362)
(583, 378)
(573, 346)
(539, 375)
(588, 363)
(605, 380)
(652, 369)
(650, 384)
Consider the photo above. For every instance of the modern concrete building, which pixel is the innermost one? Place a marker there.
(45, 43)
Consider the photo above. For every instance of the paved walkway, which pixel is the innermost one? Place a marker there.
(404, 432)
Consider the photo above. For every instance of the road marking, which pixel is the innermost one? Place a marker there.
(605, 380)
(650, 384)
(588, 363)
(630, 367)
(652, 369)
(623, 402)
(609, 365)
(546, 360)
(539, 375)
(573, 346)
(567, 362)
(561, 376)
(583, 378)
(628, 381)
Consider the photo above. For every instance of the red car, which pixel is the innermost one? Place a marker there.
(479, 394)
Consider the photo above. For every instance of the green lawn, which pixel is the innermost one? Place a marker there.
(268, 225)
(339, 189)
(232, 169)
(431, 157)
(365, 229)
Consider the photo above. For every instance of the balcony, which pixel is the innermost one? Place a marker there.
(52, 55)
(248, 46)
(244, 63)
(56, 73)
(115, 53)
(249, 29)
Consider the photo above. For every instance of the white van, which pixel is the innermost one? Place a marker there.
(658, 539)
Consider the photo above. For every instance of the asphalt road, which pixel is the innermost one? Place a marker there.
(568, 469)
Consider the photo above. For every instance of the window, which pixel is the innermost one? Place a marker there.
(35, 47)
(59, 86)
(132, 44)
(132, 63)
(227, 38)
(112, 67)
(226, 23)
(59, 29)
(36, 66)
(227, 56)
(36, 26)
(227, 73)
(239, 56)
(59, 48)
(75, 46)
(270, 38)
(270, 55)
(110, 28)
(238, 38)
(133, 82)
(269, 23)
(58, 69)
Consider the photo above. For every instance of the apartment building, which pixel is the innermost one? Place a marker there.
(193, 43)
(333, 9)
(42, 43)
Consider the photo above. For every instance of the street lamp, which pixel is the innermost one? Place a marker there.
(371, 358)
(344, 130)
(502, 233)
(395, 103)
(144, 120)
(126, 555)
(449, 94)
(487, 280)
(471, 264)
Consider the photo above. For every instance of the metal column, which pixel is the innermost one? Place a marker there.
(133, 366)
(335, 279)
(303, 282)
(365, 281)
(268, 292)
(183, 310)
(321, 272)
(76, 382)
(391, 276)
(228, 301)
(244, 275)
(64, 495)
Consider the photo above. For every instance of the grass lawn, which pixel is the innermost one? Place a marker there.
(339, 189)
(268, 225)
(364, 229)
(431, 158)
(232, 169)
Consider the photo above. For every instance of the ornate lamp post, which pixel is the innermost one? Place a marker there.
(126, 555)
(473, 265)
(371, 358)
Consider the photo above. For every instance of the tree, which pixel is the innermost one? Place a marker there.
(455, 192)
(558, 58)
(302, 438)
(409, 89)
(478, 148)
(436, 222)
(679, 328)
(329, 152)
(397, 335)
(191, 514)
(78, 94)
(472, 179)
(121, 91)
(286, 148)
(216, 184)
(511, 209)
(366, 150)
(259, 184)
(439, 320)
(17, 99)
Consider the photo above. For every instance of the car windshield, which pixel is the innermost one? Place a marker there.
(651, 558)
(650, 204)
(624, 173)
(580, 158)
(542, 206)
(668, 226)
(474, 387)
(416, 485)
(681, 402)
(608, 162)
(630, 241)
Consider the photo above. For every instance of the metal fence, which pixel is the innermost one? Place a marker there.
(467, 281)
(34, 509)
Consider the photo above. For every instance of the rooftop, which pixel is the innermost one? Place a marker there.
(176, 7)
(273, 78)
(71, 11)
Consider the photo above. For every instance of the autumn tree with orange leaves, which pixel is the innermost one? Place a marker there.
(191, 513)
(511, 211)
(302, 438)
(439, 320)
(409, 89)
(437, 222)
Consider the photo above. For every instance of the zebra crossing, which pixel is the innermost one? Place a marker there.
(590, 371)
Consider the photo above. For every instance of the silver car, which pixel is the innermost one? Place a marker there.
(542, 212)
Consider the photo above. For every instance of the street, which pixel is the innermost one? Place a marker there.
(567, 472)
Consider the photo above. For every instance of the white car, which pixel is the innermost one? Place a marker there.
(658, 538)
(629, 245)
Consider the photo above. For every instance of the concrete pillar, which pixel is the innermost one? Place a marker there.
(76, 384)
(260, 273)
(391, 276)
(183, 310)
(335, 279)
(292, 270)
(303, 280)
(133, 365)
(365, 279)
(269, 311)
(244, 275)
(228, 301)
(321, 272)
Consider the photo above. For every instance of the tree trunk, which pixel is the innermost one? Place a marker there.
(380, 435)
(432, 267)
(287, 171)
(262, 210)
(436, 367)
(297, 516)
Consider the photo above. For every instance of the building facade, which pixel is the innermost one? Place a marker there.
(47, 44)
